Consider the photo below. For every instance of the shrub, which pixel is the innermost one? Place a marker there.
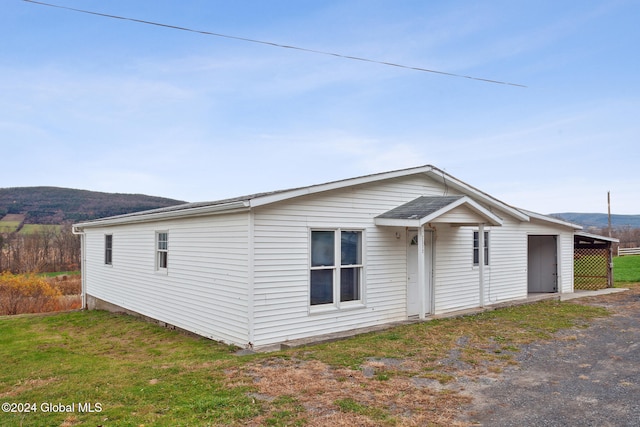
(67, 284)
(20, 293)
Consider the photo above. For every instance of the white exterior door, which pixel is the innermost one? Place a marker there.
(418, 294)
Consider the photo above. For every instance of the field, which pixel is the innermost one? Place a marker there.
(11, 222)
(8, 226)
(96, 368)
(37, 228)
(626, 269)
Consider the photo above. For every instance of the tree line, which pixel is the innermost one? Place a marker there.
(629, 236)
(48, 249)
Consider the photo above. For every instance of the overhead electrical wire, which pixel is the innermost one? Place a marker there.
(245, 39)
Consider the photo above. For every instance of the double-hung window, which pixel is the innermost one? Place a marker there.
(108, 249)
(336, 266)
(162, 250)
(476, 248)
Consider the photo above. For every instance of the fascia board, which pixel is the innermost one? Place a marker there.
(162, 216)
(597, 237)
(553, 220)
(471, 204)
(440, 175)
(281, 196)
(491, 218)
(393, 222)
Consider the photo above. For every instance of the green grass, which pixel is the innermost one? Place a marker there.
(62, 273)
(626, 269)
(142, 374)
(138, 372)
(433, 340)
(37, 228)
(9, 226)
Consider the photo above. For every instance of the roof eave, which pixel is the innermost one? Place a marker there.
(335, 185)
(236, 206)
(554, 220)
(597, 237)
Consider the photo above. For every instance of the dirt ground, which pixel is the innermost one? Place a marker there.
(584, 377)
(587, 377)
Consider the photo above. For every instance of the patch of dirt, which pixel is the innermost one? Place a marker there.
(544, 383)
(25, 385)
(320, 388)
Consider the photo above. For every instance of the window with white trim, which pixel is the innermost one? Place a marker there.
(108, 249)
(476, 246)
(162, 250)
(336, 266)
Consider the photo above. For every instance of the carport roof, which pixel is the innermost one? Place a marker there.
(425, 209)
(582, 237)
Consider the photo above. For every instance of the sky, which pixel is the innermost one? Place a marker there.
(114, 105)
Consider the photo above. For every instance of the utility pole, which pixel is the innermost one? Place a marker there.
(610, 266)
(609, 210)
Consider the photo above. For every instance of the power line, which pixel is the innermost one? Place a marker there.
(338, 55)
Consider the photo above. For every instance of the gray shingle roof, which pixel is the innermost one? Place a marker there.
(420, 207)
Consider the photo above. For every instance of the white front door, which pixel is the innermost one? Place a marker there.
(418, 294)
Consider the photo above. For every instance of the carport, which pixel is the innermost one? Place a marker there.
(592, 261)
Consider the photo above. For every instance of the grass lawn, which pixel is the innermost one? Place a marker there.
(142, 374)
(626, 269)
(139, 373)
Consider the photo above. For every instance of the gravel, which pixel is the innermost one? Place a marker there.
(586, 377)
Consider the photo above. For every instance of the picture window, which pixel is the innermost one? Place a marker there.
(336, 266)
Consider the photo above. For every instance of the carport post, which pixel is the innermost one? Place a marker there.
(421, 272)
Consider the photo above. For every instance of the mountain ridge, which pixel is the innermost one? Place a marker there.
(59, 205)
(599, 220)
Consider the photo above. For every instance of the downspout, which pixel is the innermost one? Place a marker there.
(83, 273)
(250, 280)
(481, 262)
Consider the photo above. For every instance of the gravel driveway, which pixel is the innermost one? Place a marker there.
(587, 377)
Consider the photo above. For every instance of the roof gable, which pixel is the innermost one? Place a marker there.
(423, 210)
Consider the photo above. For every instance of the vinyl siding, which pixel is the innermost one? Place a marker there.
(204, 289)
(457, 280)
(243, 278)
(461, 214)
(282, 310)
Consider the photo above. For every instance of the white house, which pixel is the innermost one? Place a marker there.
(263, 269)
